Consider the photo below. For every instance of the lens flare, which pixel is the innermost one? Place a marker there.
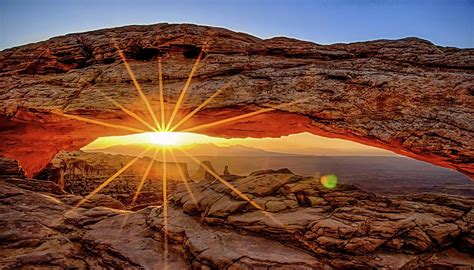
(329, 181)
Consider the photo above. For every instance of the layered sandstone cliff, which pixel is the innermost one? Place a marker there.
(409, 96)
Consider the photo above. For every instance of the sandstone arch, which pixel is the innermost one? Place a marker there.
(407, 95)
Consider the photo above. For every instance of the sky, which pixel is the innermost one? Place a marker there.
(301, 143)
(444, 22)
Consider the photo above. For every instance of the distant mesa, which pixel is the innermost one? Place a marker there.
(204, 149)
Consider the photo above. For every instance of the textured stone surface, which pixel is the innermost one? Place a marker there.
(80, 173)
(344, 220)
(10, 168)
(407, 95)
(347, 229)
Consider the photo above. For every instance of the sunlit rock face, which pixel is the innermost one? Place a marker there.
(407, 95)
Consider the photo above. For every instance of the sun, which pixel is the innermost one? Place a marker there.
(165, 138)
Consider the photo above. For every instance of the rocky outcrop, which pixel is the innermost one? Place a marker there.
(355, 228)
(12, 174)
(305, 226)
(10, 168)
(407, 95)
(81, 172)
(226, 171)
(203, 172)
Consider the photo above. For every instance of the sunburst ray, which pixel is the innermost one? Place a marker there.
(97, 122)
(183, 91)
(162, 99)
(138, 87)
(143, 179)
(112, 178)
(238, 117)
(196, 110)
(165, 210)
(185, 180)
(127, 111)
(224, 182)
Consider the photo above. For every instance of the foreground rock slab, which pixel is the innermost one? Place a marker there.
(305, 226)
(344, 227)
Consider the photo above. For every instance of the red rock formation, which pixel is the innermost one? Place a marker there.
(408, 96)
(306, 226)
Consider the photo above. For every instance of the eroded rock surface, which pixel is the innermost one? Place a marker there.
(356, 228)
(305, 227)
(81, 172)
(407, 95)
